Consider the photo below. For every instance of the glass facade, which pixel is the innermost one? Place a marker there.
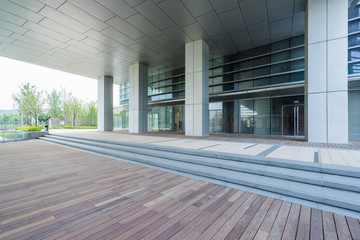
(166, 119)
(354, 42)
(354, 115)
(268, 116)
(277, 64)
(121, 119)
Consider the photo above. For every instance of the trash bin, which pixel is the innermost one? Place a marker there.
(46, 127)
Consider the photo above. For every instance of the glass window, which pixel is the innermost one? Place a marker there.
(261, 82)
(281, 56)
(354, 68)
(280, 79)
(246, 64)
(247, 74)
(354, 114)
(218, 61)
(297, 65)
(246, 85)
(228, 87)
(355, 13)
(354, 26)
(297, 41)
(217, 71)
(298, 76)
(297, 52)
(245, 54)
(262, 71)
(354, 54)
(217, 89)
(354, 40)
(279, 68)
(168, 82)
(262, 50)
(262, 116)
(247, 116)
(262, 60)
(280, 45)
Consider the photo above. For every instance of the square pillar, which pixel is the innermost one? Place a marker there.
(138, 98)
(326, 73)
(105, 103)
(197, 88)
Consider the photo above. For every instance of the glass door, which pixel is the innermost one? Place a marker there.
(178, 119)
(216, 121)
(293, 120)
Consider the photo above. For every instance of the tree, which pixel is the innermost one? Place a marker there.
(73, 108)
(89, 114)
(28, 102)
(54, 102)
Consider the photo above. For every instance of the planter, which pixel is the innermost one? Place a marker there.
(35, 135)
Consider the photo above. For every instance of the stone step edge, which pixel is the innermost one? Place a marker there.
(292, 164)
(280, 190)
(296, 178)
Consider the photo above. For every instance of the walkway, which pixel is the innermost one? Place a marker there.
(52, 192)
(272, 147)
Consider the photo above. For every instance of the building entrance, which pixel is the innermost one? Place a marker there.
(293, 120)
(216, 121)
(178, 120)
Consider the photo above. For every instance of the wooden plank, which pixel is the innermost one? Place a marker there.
(342, 227)
(303, 231)
(292, 222)
(354, 227)
(316, 226)
(329, 226)
(279, 224)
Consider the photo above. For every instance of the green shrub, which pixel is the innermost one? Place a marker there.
(30, 128)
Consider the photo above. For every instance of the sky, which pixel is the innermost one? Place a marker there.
(13, 73)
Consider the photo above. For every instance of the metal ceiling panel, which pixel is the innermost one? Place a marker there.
(143, 25)
(254, 11)
(125, 27)
(177, 12)
(220, 7)
(46, 31)
(32, 5)
(118, 36)
(119, 7)
(153, 13)
(6, 16)
(45, 39)
(82, 16)
(32, 41)
(53, 3)
(195, 31)
(50, 24)
(277, 13)
(12, 27)
(233, 20)
(280, 29)
(211, 24)
(20, 11)
(94, 8)
(63, 19)
(260, 34)
(102, 38)
(198, 7)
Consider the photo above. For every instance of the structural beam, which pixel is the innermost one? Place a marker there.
(138, 82)
(326, 82)
(105, 103)
(197, 88)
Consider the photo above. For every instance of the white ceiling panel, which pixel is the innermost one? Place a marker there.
(143, 25)
(82, 16)
(154, 14)
(125, 27)
(94, 37)
(177, 12)
(254, 11)
(233, 20)
(20, 11)
(32, 5)
(50, 24)
(46, 31)
(63, 19)
(119, 7)
(94, 8)
(211, 24)
(198, 7)
(9, 17)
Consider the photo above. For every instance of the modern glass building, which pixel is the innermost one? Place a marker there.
(280, 67)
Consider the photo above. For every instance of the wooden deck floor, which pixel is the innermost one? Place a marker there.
(51, 192)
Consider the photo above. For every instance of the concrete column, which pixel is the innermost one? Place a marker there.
(105, 103)
(326, 83)
(197, 88)
(138, 83)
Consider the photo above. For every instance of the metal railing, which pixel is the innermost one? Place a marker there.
(12, 136)
(8, 125)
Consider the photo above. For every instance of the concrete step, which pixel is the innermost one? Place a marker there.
(316, 178)
(288, 164)
(316, 193)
